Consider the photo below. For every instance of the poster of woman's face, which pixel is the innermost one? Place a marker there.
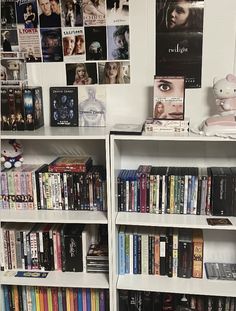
(168, 98)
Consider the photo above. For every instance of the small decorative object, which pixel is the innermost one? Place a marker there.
(224, 123)
(11, 153)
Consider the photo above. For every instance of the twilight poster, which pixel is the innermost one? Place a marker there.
(179, 32)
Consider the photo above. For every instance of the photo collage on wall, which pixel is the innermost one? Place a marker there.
(90, 36)
(179, 34)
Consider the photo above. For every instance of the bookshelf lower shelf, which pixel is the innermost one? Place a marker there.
(58, 279)
(177, 285)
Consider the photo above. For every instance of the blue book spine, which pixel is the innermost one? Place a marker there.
(6, 298)
(135, 254)
(60, 303)
(127, 252)
(102, 306)
(80, 301)
(121, 250)
(88, 299)
(33, 298)
(24, 298)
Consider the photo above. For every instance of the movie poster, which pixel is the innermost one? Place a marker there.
(30, 45)
(168, 103)
(179, 33)
(73, 44)
(51, 42)
(92, 106)
(117, 12)
(94, 13)
(114, 72)
(81, 73)
(96, 46)
(118, 42)
(27, 14)
(13, 68)
(8, 14)
(71, 14)
(9, 40)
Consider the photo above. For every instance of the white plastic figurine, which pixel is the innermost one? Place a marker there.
(224, 123)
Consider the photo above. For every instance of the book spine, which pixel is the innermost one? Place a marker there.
(121, 251)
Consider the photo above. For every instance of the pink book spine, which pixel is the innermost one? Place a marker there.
(45, 299)
(84, 298)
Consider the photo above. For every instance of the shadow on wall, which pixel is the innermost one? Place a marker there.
(211, 102)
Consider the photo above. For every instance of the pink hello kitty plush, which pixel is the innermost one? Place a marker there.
(225, 93)
(11, 153)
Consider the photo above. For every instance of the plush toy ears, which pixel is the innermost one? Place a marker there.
(231, 78)
(215, 80)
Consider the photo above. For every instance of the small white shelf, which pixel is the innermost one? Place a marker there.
(60, 133)
(53, 216)
(177, 285)
(171, 137)
(173, 220)
(58, 279)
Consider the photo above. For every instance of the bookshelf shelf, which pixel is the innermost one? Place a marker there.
(49, 216)
(174, 220)
(177, 285)
(59, 279)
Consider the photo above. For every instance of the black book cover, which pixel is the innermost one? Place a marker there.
(233, 170)
(5, 124)
(28, 98)
(38, 107)
(124, 300)
(19, 109)
(64, 106)
(169, 252)
(41, 169)
(163, 252)
(72, 236)
(47, 264)
(185, 253)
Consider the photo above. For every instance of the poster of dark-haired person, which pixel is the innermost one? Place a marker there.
(51, 42)
(179, 32)
(8, 14)
(27, 14)
(96, 47)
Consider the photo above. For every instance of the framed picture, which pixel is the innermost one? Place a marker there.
(168, 103)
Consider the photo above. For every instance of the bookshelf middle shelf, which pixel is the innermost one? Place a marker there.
(170, 220)
(54, 216)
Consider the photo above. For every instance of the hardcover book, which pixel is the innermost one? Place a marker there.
(70, 164)
(64, 106)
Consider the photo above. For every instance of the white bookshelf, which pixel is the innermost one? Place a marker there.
(128, 152)
(43, 146)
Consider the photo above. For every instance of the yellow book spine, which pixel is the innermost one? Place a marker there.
(93, 300)
(15, 297)
(37, 299)
(68, 299)
(71, 300)
(49, 296)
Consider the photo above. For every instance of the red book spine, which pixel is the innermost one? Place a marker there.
(54, 299)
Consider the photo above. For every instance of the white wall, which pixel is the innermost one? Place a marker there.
(133, 103)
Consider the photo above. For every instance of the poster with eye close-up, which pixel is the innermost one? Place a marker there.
(179, 33)
(168, 99)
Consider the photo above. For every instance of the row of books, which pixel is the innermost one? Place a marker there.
(177, 190)
(53, 298)
(220, 271)
(62, 247)
(160, 251)
(52, 187)
(152, 126)
(21, 108)
(153, 301)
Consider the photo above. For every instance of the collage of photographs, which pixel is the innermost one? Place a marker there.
(90, 36)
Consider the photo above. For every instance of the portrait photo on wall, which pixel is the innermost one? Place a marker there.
(29, 44)
(96, 46)
(71, 13)
(114, 72)
(9, 40)
(92, 105)
(73, 44)
(27, 14)
(179, 33)
(117, 12)
(49, 13)
(8, 14)
(51, 43)
(81, 73)
(94, 12)
(168, 98)
(118, 42)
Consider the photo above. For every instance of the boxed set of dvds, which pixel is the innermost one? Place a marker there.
(21, 108)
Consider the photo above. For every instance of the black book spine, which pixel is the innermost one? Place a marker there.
(162, 254)
(46, 255)
(169, 253)
(185, 259)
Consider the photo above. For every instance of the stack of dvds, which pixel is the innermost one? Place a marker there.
(97, 258)
(152, 126)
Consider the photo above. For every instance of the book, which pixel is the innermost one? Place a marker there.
(70, 164)
(127, 129)
(64, 106)
(198, 246)
(185, 253)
